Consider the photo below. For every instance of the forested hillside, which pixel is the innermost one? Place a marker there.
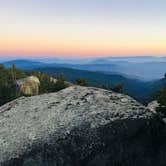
(140, 90)
(7, 83)
(9, 89)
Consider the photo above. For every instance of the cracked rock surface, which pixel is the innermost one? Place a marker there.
(80, 126)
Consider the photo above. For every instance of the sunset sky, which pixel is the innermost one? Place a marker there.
(82, 27)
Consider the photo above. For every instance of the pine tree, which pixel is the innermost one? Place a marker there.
(60, 84)
(162, 100)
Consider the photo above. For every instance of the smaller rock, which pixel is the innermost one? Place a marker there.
(124, 100)
(153, 105)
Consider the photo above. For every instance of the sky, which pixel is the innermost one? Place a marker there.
(82, 27)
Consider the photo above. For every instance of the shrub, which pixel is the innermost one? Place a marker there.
(82, 82)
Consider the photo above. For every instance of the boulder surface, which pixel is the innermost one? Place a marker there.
(153, 105)
(28, 86)
(80, 126)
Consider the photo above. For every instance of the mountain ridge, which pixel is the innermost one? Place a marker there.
(143, 70)
(141, 90)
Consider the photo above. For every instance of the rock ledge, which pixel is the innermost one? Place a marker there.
(80, 126)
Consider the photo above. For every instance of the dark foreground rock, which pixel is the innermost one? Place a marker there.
(80, 126)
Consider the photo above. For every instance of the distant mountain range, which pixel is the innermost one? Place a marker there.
(24, 64)
(103, 72)
(143, 70)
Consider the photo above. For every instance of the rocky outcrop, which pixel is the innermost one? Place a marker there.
(80, 126)
(153, 105)
(29, 86)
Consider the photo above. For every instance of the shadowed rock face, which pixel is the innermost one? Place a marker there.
(80, 126)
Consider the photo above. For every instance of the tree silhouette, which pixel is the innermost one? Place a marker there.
(118, 88)
(82, 82)
(162, 100)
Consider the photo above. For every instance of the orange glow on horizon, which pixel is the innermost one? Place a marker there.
(43, 46)
(81, 53)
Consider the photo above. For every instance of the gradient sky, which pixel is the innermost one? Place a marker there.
(82, 27)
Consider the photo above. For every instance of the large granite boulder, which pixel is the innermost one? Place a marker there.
(28, 86)
(80, 126)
